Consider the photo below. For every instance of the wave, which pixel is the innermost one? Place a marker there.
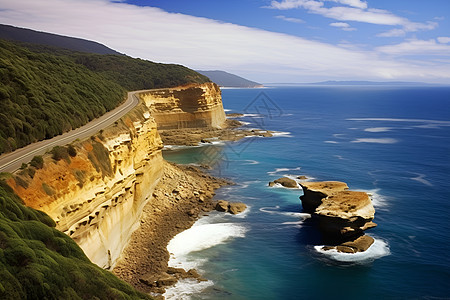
(376, 140)
(281, 134)
(279, 170)
(258, 116)
(378, 200)
(378, 249)
(251, 162)
(199, 237)
(378, 129)
(227, 110)
(186, 288)
(331, 142)
(204, 234)
(445, 123)
(421, 178)
(275, 210)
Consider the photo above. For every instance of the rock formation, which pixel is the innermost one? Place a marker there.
(285, 181)
(343, 215)
(97, 195)
(231, 207)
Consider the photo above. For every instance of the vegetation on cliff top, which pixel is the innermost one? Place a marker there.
(45, 91)
(40, 262)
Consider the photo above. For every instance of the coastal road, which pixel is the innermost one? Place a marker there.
(10, 162)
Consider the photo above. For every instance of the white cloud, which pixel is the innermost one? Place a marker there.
(201, 43)
(416, 47)
(356, 11)
(292, 20)
(340, 24)
(443, 39)
(354, 3)
(393, 33)
(343, 26)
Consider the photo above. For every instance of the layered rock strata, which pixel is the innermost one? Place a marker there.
(342, 215)
(192, 106)
(97, 192)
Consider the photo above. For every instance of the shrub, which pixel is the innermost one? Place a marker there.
(37, 162)
(71, 150)
(59, 153)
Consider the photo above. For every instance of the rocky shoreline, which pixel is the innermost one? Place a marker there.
(182, 196)
(230, 131)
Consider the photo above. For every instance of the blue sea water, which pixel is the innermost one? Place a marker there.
(393, 142)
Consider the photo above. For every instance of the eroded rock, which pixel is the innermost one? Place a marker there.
(285, 181)
(342, 215)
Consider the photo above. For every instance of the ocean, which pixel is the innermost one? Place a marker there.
(392, 142)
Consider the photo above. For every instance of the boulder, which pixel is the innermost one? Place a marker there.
(222, 206)
(286, 182)
(360, 244)
(231, 207)
(302, 177)
(236, 207)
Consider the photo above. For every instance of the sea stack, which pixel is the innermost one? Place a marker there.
(342, 215)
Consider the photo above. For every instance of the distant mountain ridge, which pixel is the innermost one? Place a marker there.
(13, 33)
(226, 79)
(356, 83)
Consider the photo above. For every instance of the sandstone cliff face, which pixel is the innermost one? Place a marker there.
(97, 196)
(190, 106)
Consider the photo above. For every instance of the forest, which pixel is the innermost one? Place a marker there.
(46, 91)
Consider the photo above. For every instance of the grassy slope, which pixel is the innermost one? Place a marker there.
(39, 262)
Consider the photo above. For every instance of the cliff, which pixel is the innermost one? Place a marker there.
(343, 215)
(96, 189)
(191, 106)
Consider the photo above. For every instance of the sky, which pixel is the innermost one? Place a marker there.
(268, 41)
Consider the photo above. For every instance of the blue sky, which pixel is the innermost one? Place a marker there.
(266, 41)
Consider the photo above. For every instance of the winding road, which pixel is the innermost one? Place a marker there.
(10, 162)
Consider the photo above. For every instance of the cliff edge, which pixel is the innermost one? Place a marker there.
(96, 189)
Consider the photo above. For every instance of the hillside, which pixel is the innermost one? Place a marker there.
(45, 91)
(225, 79)
(12, 33)
(40, 262)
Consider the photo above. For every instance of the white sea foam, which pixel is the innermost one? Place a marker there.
(338, 135)
(376, 140)
(199, 237)
(378, 249)
(445, 123)
(331, 142)
(275, 211)
(258, 116)
(378, 200)
(421, 178)
(245, 123)
(251, 162)
(279, 170)
(281, 134)
(340, 157)
(186, 288)
(378, 129)
(297, 224)
(227, 110)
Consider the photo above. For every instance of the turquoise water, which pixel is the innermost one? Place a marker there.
(393, 142)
